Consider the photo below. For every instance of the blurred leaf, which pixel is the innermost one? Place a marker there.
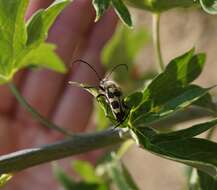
(102, 121)
(193, 181)
(12, 35)
(19, 43)
(124, 47)
(85, 170)
(63, 178)
(45, 56)
(122, 12)
(210, 6)
(100, 6)
(195, 152)
(206, 182)
(124, 148)
(39, 24)
(160, 5)
(119, 174)
(69, 184)
(4, 178)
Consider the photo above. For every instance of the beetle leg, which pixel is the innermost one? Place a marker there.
(107, 107)
(90, 87)
(117, 125)
(125, 105)
(101, 95)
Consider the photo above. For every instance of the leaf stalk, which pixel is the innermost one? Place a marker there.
(40, 118)
(156, 40)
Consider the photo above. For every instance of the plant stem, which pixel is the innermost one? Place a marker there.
(76, 144)
(42, 120)
(156, 39)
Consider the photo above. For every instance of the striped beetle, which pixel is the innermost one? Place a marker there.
(112, 93)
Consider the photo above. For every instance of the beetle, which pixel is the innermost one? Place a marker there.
(112, 93)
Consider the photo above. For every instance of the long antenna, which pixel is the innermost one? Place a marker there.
(115, 67)
(82, 61)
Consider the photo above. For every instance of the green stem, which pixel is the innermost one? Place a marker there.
(77, 144)
(156, 39)
(42, 120)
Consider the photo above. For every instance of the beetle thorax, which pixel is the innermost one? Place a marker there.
(105, 84)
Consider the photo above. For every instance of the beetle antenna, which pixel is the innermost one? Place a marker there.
(115, 67)
(82, 61)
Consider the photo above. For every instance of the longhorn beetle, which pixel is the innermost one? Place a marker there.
(112, 94)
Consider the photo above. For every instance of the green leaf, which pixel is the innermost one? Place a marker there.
(100, 6)
(41, 21)
(206, 102)
(187, 133)
(85, 170)
(102, 121)
(43, 56)
(69, 184)
(4, 178)
(65, 180)
(195, 152)
(133, 100)
(12, 34)
(124, 48)
(179, 73)
(146, 114)
(122, 12)
(119, 174)
(173, 83)
(23, 45)
(206, 182)
(210, 6)
(159, 5)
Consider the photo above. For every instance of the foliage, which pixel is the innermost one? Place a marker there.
(160, 5)
(4, 178)
(111, 169)
(128, 43)
(210, 6)
(119, 7)
(69, 184)
(206, 182)
(155, 6)
(118, 173)
(23, 45)
(147, 107)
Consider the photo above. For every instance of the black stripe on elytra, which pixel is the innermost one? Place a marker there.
(110, 94)
(117, 93)
(115, 104)
(120, 116)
